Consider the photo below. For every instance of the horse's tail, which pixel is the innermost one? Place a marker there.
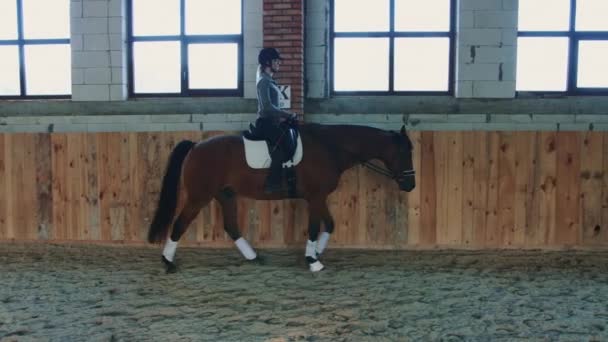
(168, 193)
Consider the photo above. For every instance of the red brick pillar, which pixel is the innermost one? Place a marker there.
(284, 30)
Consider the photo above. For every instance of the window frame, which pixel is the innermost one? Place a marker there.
(574, 38)
(185, 40)
(21, 42)
(391, 34)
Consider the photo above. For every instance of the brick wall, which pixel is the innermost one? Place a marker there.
(284, 29)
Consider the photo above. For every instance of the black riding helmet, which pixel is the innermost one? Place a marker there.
(267, 55)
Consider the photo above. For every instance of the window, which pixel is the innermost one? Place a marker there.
(185, 47)
(35, 56)
(392, 46)
(562, 46)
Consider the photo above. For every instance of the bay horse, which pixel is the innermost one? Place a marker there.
(216, 168)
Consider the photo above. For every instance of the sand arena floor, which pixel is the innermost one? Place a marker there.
(105, 293)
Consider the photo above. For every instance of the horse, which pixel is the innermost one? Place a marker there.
(216, 168)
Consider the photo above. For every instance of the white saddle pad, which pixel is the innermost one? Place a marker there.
(256, 153)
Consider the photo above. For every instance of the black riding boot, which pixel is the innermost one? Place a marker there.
(275, 178)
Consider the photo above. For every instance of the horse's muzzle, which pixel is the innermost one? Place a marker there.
(407, 180)
(407, 186)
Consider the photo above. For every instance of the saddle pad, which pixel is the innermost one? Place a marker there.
(257, 156)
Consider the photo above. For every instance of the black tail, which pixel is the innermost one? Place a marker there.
(168, 193)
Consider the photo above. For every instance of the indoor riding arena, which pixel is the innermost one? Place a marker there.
(449, 182)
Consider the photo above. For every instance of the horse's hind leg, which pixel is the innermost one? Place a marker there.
(329, 228)
(227, 199)
(187, 215)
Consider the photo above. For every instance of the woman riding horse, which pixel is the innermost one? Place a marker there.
(272, 121)
(216, 168)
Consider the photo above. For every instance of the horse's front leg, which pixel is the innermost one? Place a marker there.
(314, 223)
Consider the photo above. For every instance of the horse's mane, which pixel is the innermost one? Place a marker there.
(337, 133)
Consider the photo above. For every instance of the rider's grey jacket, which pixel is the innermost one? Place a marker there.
(268, 98)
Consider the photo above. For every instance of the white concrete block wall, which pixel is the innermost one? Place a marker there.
(316, 49)
(486, 49)
(98, 50)
(253, 40)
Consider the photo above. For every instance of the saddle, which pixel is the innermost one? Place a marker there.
(257, 153)
(257, 148)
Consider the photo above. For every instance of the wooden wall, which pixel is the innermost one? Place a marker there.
(474, 190)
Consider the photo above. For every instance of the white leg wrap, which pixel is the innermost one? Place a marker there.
(169, 251)
(245, 249)
(311, 249)
(322, 242)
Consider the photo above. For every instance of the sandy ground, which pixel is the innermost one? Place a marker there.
(104, 293)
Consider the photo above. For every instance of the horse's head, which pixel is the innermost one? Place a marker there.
(400, 160)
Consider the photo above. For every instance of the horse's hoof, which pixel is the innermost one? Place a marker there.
(171, 268)
(316, 266)
(258, 260)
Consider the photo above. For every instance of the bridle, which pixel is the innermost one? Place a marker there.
(399, 177)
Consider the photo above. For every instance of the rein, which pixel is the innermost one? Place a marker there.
(387, 173)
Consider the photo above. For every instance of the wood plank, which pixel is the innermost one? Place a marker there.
(152, 165)
(31, 192)
(344, 202)
(603, 231)
(77, 209)
(525, 165)
(288, 219)
(546, 181)
(263, 221)
(468, 188)
(454, 171)
(17, 154)
(111, 168)
(401, 213)
(277, 220)
(375, 197)
(363, 175)
(92, 187)
(441, 145)
(44, 192)
(6, 192)
(24, 178)
(481, 179)
(301, 222)
(506, 188)
(59, 185)
(217, 219)
(414, 197)
(524, 173)
(493, 231)
(428, 191)
(29, 204)
(533, 234)
(568, 188)
(592, 160)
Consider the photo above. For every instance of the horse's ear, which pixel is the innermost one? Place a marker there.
(402, 130)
